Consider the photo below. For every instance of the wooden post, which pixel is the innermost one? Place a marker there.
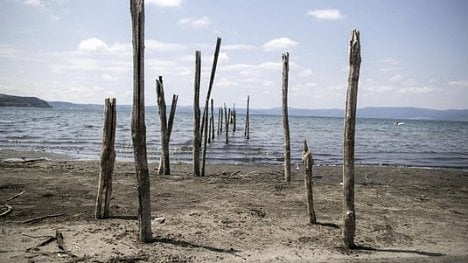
(308, 162)
(205, 111)
(220, 122)
(196, 116)
(226, 120)
(163, 128)
(107, 160)
(246, 129)
(234, 117)
(137, 10)
(348, 213)
(212, 121)
(170, 123)
(287, 147)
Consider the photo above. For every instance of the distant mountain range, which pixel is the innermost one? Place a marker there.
(398, 113)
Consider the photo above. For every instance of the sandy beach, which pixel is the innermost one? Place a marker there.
(234, 214)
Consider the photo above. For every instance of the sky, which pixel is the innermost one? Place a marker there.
(414, 53)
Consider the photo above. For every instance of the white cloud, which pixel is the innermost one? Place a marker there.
(326, 14)
(195, 22)
(239, 47)
(165, 3)
(109, 77)
(459, 83)
(279, 44)
(92, 44)
(35, 3)
(151, 44)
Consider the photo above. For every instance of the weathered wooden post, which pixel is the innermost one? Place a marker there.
(208, 94)
(308, 162)
(226, 120)
(137, 10)
(196, 116)
(212, 121)
(170, 123)
(287, 147)
(234, 117)
(163, 128)
(349, 214)
(107, 160)
(247, 125)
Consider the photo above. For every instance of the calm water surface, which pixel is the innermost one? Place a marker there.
(378, 142)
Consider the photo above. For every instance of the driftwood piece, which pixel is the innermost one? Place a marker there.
(8, 210)
(287, 143)
(348, 209)
(308, 161)
(137, 10)
(16, 196)
(37, 219)
(59, 239)
(196, 115)
(107, 160)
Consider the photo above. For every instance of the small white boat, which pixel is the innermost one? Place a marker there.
(397, 123)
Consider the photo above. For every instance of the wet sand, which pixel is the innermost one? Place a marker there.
(234, 214)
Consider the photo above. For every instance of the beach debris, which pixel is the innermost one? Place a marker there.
(159, 220)
(257, 212)
(15, 196)
(37, 219)
(8, 210)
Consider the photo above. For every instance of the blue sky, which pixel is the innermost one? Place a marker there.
(414, 53)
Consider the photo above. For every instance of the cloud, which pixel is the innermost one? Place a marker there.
(459, 83)
(35, 3)
(165, 3)
(151, 44)
(108, 77)
(239, 47)
(326, 14)
(279, 44)
(92, 44)
(195, 22)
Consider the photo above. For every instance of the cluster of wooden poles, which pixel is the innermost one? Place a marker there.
(203, 133)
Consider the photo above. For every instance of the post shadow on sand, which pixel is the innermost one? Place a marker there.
(396, 250)
(187, 244)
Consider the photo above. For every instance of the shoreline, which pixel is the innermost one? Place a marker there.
(12, 156)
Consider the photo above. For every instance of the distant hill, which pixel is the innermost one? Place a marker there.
(398, 113)
(17, 101)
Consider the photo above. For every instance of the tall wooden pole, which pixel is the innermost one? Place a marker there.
(308, 162)
(196, 116)
(287, 147)
(348, 213)
(137, 10)
(163, 128)
(107, 160)
(205, 111)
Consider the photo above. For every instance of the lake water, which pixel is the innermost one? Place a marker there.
(378, 142)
